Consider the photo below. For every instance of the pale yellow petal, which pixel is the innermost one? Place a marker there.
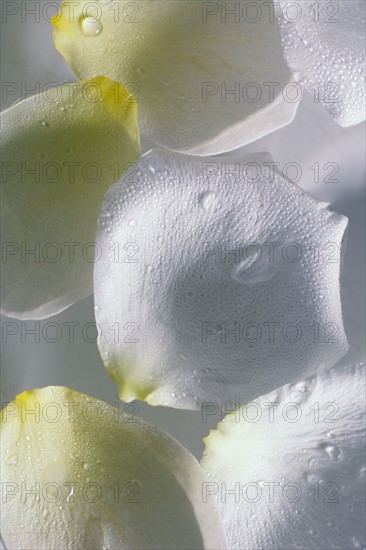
(61, 152)
(101, 479)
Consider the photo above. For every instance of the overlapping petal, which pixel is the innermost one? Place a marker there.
(221, 281)
(325, 43)
(61, 151)
(100, 479)
(288, 470)
(207, 81)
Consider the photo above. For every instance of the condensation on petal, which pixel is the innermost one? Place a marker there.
(294, 461)
(61, 151)
(207, 81)
(324, 42)
(224, 284)
(101, 478)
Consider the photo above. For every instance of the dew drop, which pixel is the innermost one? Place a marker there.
(302, 387)
(253, 270)
(132, 223)
(332, 451)
(311, 478)
(12, 460)
(91, 26)
(208, 201)
(86, 466)
(45, 124)
(313, 462)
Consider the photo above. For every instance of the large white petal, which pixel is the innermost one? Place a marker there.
(294, 461)
(182, 59)
(325, 43)
(101, 479)
(61, 151)
(328, 162)
(221, 281)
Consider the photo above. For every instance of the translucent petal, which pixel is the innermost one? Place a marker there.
(61, 151)
(183, 60)
(221, 281)
(101, 479)
(294, 461)
(324, 42)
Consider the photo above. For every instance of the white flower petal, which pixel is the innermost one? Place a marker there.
(294, 461)
(189, 311)
(324, 42)
(102, 479)
(61, 151)
(183, 62)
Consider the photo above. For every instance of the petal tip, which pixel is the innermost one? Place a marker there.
(129, 390)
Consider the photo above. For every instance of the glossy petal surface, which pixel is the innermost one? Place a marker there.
(61, 151)
(221, 281)
(207, 82)
(294, 461)
(102, 479)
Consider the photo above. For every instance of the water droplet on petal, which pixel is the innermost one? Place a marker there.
(253, 270)
(208, 201)
(313, 462)
(302, 387)
(312, 478)
(12, 460)
(332, 451)
(91, 26)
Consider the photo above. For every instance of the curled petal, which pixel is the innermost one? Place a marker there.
(221, 281)
(324, 43)
(61, 151)
(79, 473)
(207, 82)
(288, 470)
